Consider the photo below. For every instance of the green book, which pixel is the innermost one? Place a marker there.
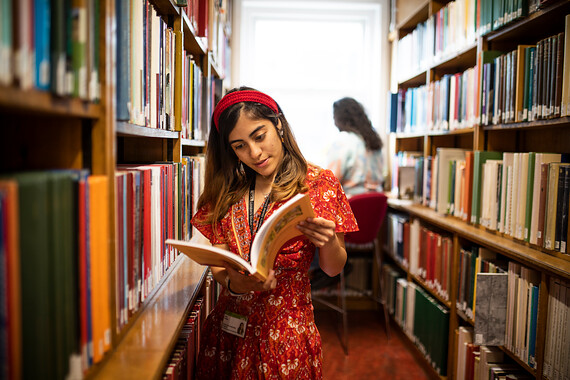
(479, 158)
(38, 355)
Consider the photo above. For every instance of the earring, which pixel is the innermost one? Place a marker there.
(281, 134)
(240, 168)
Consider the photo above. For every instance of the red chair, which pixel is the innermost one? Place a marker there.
(370, 211)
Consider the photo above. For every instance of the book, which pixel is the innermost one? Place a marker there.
(279, 228)
(479, 158)
(491, 309)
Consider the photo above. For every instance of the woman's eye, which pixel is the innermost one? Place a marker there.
(260, 137)
(238, 146)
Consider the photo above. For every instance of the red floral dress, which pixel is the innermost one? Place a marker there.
(281, 340)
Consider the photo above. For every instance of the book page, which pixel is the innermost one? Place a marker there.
(279, 228)
(209, 255)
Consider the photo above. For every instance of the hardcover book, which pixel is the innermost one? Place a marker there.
(279, 228)
(491, 309)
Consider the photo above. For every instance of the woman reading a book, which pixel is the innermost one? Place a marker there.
(253, 165)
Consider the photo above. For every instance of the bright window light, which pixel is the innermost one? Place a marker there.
(308, 54)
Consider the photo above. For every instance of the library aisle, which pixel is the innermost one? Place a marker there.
(371, 355)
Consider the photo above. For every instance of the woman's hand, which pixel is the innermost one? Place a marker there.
(320, 231)
(242, 283)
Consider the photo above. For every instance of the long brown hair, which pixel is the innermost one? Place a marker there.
(349, 115)
(226, 180)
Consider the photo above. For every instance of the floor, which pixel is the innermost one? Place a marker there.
(371, 354)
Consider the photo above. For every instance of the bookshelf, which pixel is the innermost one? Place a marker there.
(435, 62)
(49, 129)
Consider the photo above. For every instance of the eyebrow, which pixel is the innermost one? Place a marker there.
(250, 135)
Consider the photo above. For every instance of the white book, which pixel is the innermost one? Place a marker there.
(445, 156)
(507, 162)
(410, 307)
(414, 246)
(521, 200)
(465, 337)
(515, 195)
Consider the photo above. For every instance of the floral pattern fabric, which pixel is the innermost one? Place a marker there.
(281, 339)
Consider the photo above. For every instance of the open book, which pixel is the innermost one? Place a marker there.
(279, 228)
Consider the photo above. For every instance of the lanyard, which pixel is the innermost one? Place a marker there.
(252, 212)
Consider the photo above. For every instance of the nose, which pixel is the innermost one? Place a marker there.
(254, 151)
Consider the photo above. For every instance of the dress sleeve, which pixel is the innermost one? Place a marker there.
(330, 202)
(205, 228)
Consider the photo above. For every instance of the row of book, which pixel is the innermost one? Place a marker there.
(447, 31)
(455, 27)
(531, 82)
(483, 362)
(56, 256)
(525, 84)
(524, 195)
(146, 74)
(145, 65)
(51, 45)
(182, 362)
(442, 105)
(557, 345)
(208, 19)
(427, 254)
(422, 317)
(154, 203)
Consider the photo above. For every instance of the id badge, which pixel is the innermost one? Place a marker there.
(234, 324)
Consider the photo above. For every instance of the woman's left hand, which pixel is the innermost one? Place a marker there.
(320, 231)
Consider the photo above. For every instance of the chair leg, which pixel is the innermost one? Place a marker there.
(344, 312)
(380, 290)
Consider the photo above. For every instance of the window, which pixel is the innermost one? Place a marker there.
(307, 54)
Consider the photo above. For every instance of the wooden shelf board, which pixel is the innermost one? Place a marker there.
(404, 135)
(421, 14)
(511, 355)
(144, 350)
(459, 131)
(505, 246)
(430, 290)
(127, 129)
(557, 122)
(458, 60)
(194, 143)
(414, 80)
(193, 44)
(44, 102)
(166, 7)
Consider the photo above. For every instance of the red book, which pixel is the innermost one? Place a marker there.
(542, 203)
(202, 30)
(121, 233)
(438, 261)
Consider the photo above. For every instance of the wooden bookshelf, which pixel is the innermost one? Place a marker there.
(544, 135)
(41, 131)
(145, 348)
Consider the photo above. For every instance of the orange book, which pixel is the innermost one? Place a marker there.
(9, 224)
(100, 264)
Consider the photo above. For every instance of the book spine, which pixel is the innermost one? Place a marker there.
(542, 204)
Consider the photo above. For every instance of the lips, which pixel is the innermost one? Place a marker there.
(261, 164)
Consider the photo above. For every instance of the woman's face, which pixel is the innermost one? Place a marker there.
(257, 144)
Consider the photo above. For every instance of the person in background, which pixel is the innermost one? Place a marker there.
(253, 165)
(355, 157)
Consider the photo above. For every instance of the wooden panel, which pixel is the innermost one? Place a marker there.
(146, 347)
(26, 145)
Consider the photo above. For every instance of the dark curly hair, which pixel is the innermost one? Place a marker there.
(349, 115)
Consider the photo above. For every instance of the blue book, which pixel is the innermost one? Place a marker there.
(42, 22)
(534, 290)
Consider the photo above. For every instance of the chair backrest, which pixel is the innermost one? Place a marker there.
(369, 210)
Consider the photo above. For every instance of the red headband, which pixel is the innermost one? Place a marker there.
(242, 96)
